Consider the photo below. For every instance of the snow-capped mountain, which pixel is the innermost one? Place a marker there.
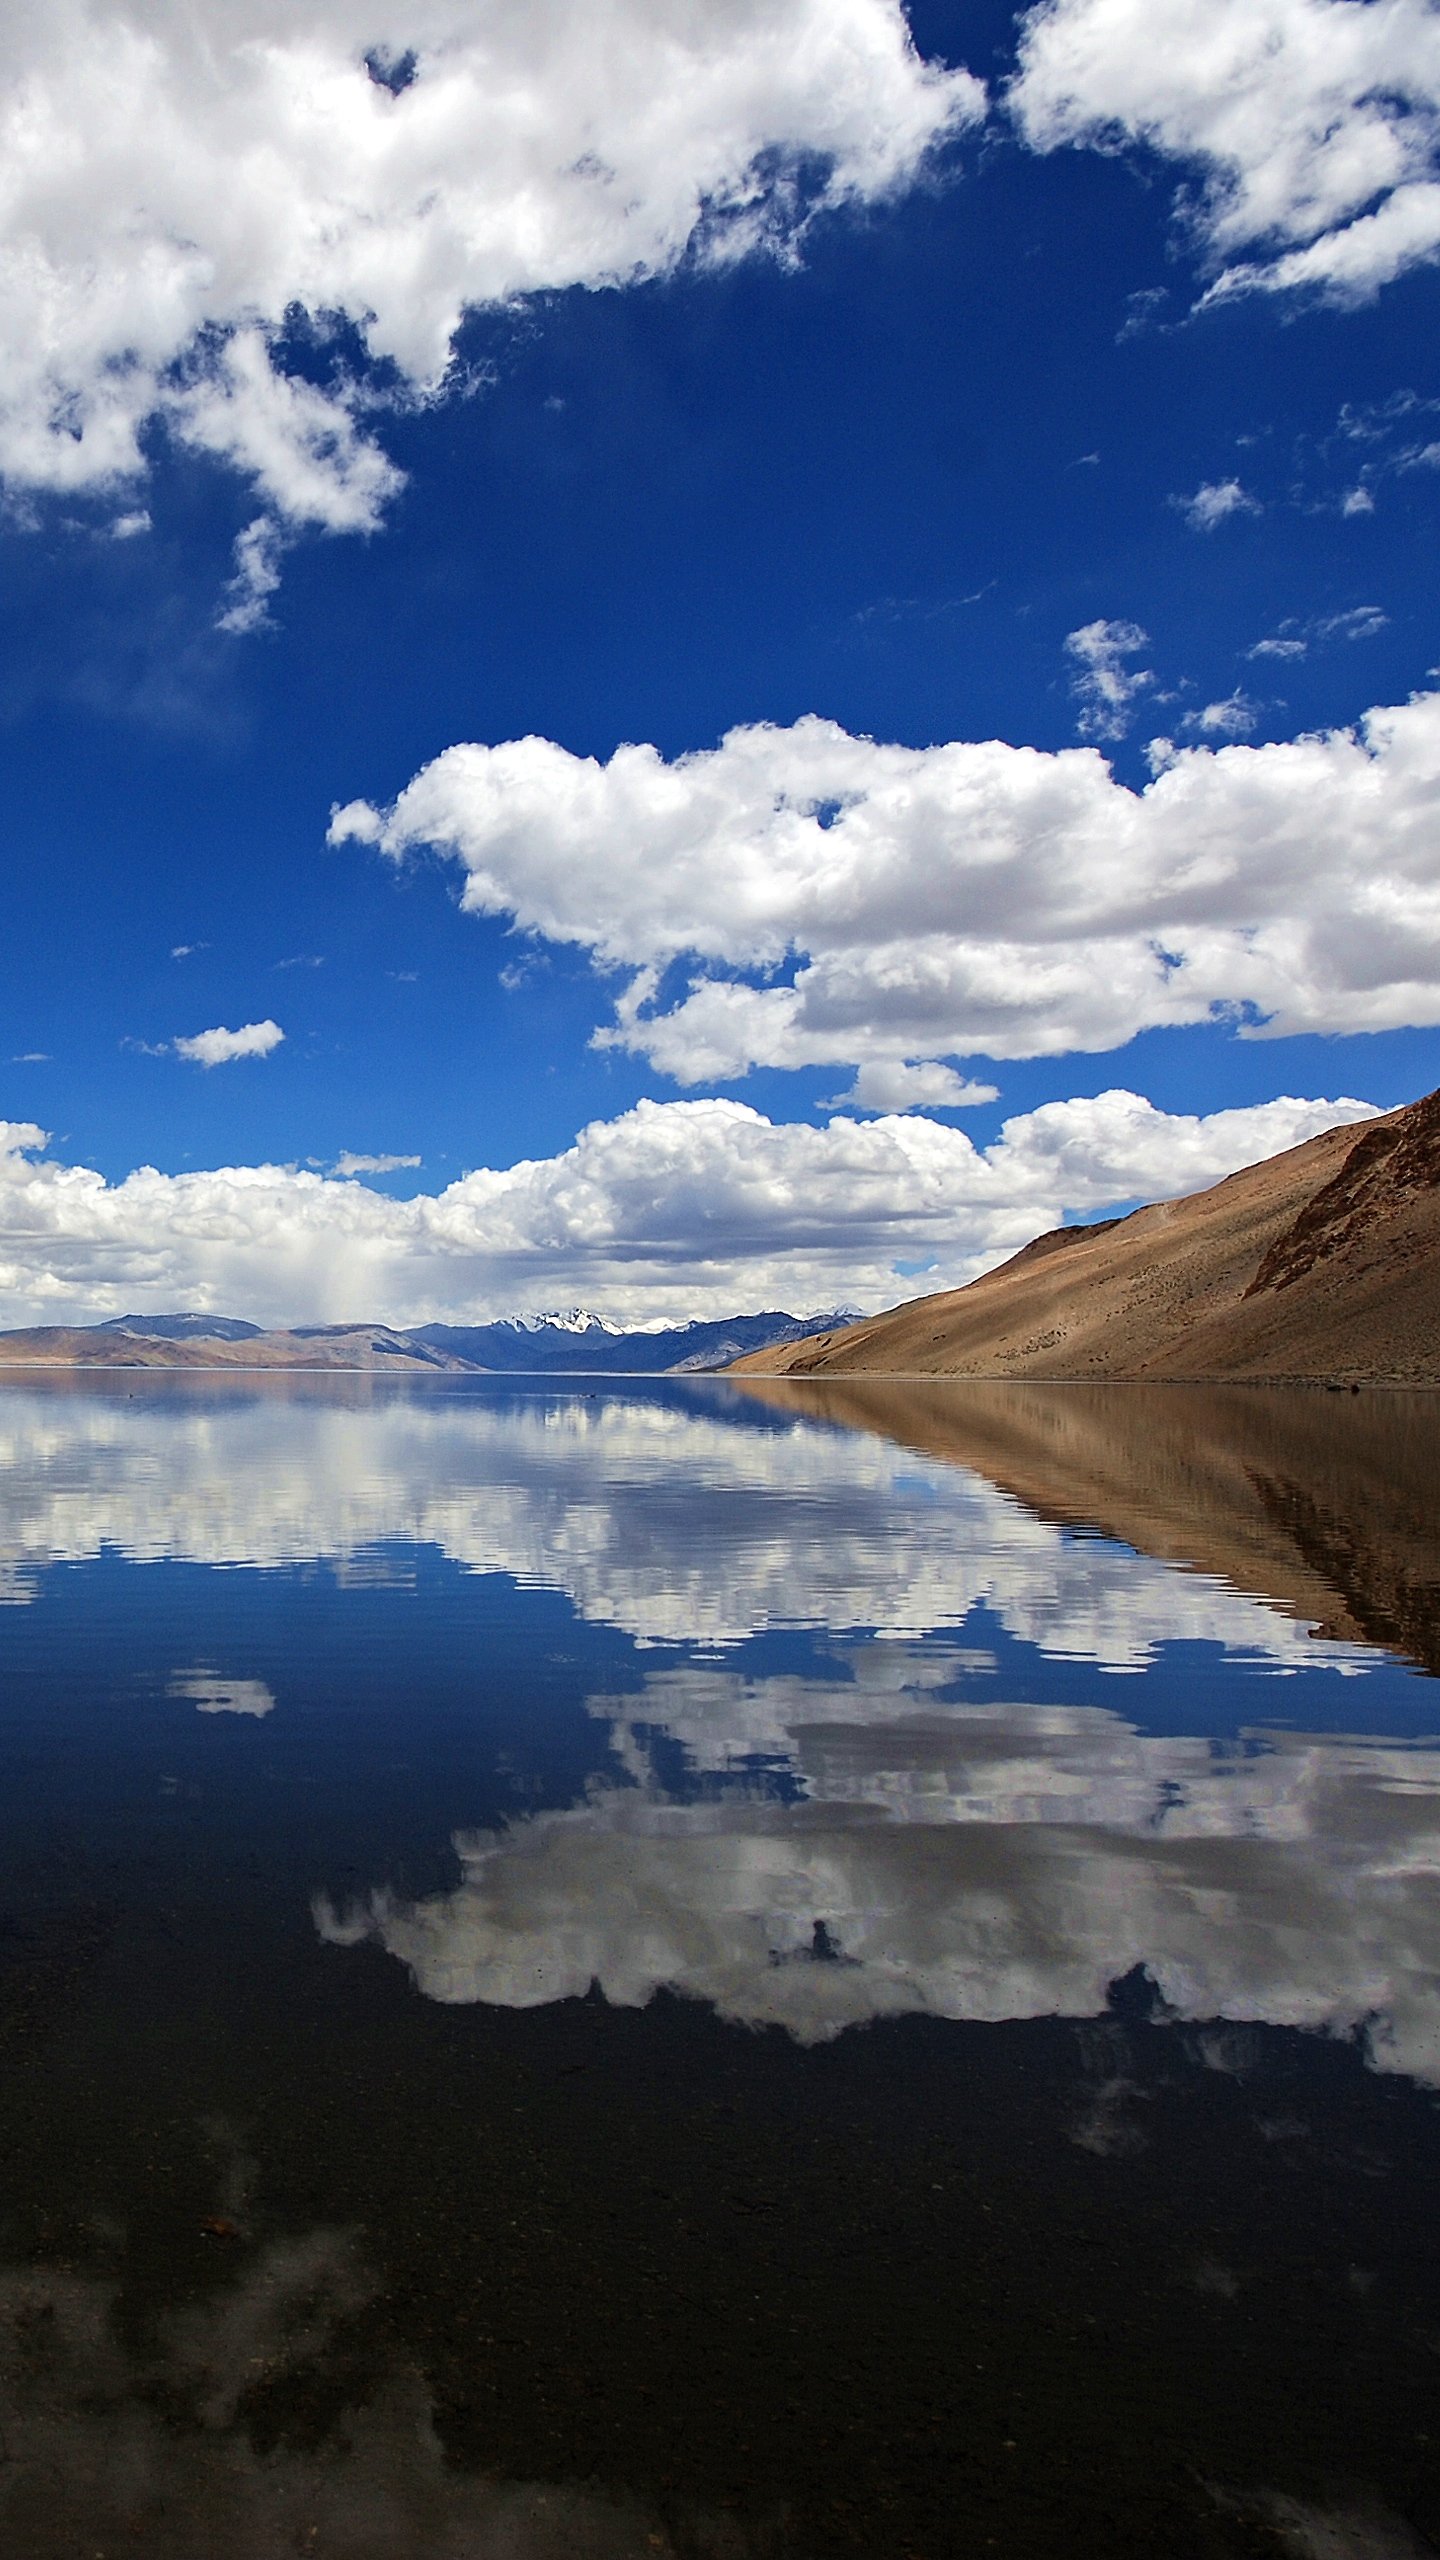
(559, 1320)
(579, 1341)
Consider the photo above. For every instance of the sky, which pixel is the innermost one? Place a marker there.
(692, 655)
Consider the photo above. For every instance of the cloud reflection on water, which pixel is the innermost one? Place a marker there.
(676, 1523)
(109, 2448)
(986, 1862)
(838, 1847)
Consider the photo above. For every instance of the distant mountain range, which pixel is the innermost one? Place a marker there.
(571, 1341)
(1322, 1263)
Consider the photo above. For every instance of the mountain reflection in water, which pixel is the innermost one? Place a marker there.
(926, 1912)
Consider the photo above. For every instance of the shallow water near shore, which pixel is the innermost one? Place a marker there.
(652, 1967)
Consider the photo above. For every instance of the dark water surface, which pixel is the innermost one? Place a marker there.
(675, 1970)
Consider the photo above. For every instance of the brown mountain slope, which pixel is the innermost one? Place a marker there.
(92, 1347)
(1323, 1262)
(1325, 1507)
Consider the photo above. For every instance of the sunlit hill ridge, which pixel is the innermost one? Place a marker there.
(1321, 1263)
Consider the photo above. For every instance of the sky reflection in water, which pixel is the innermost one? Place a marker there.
(947, 1846)
(819, 1715)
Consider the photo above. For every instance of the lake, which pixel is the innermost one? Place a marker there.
(654, 1967)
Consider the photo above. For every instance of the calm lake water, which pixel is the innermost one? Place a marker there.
(658, 1968)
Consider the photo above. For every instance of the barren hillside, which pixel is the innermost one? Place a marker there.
(333, 1347)
(1321, 1263)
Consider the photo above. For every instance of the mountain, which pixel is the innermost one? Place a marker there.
(574, 1342)
(1322, 1263)
(230, 1344)
(578, 1341)
(183, 1328)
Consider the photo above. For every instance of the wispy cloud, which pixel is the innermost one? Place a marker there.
(1362, 622)
(1102, 683)
(1294, 639)
(1214, 502)
(258, 554)
(1234, 717)
(348, 1164)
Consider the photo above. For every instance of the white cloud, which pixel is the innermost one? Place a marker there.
(1313, 125)
(246, 602)
(1388, 427)
(125, 528)
(184, 188)
(1234, 717)
(347, 1163)
(216, 1048)
(892, 1085)
(1102, 683)
(956, 900)
(1213, 501)
(1359, 622)
(1362, 622)
(673, 1209)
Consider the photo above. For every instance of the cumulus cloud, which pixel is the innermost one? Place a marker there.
(928, 1085)
(1213, 501)
(898, 903)
(216, 1048)
(1313, 125)
(1102, 683)
(187, 196)
(674, 1209)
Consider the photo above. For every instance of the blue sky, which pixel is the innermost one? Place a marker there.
(1064, 379)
